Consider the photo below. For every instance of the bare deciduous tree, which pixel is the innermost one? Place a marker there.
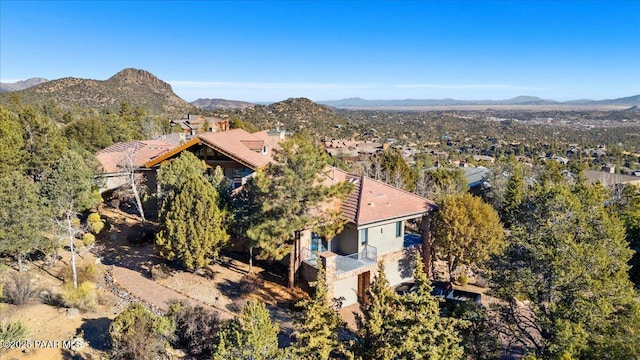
(128, 166)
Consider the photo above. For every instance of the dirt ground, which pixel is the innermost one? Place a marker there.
(52, 325)
(219, 285)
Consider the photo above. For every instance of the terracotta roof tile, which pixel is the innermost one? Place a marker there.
(373, 201)
(232, 143)
(144, 150)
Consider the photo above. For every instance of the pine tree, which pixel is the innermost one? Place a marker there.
(426, 334)
(44, 142)
(12, 153)
(514, 195)
(379, 334)
(253, 337)
(569, 259)
(292, 195)
(171, 174)
(320, 323)
(192, 226)
(23, 220)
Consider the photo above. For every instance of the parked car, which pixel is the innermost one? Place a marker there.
(459, 296)
(439, 288)
(443, 290)
(405, 288)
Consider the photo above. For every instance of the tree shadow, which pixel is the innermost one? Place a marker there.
(406, 263)
(96, 333)
(230, 289)
(72, 355)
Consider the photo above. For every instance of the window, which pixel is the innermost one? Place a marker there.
(364, 233)
(398, 228)
(318, 243)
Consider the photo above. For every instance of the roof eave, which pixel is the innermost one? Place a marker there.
(412, 215)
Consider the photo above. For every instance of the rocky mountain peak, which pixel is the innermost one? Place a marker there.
(131, 76)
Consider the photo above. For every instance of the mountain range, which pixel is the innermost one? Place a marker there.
(22, 84)
(519, 100)
(210, 104)
(141, 88)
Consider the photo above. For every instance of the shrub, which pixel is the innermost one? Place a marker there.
(13, 331)
(95, 223)
(86, 272)
(160, 271)
(84, 297)
(195, 328)
(19, 289)
(88, 239)
(463, 279)
(138, 334)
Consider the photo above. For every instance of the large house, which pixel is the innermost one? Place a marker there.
(236, 151)
(376, 213)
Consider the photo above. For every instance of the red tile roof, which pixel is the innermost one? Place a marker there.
(239, 145)
(144, 150)
(374, 201)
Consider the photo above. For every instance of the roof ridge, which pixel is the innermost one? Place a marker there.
(359, 200)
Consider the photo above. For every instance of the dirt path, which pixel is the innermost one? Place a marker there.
(153, 293)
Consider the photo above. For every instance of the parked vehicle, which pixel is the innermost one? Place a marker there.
(443, 290)
(459, 296)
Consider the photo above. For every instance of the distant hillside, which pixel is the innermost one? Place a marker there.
(21, 85)
(519, 100)
(630, 100)
(138, 87)
(295, 114)
(210, 104)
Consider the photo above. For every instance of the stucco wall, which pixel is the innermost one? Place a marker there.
(383, 237)
(347, 287)
(347, 240)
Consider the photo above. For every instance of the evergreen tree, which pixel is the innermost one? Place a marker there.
(253, 337)
(171, 174)
(514, 195)
(568, 258)
(23, 218)
(467, 230)
(379, 337)
(404, 327)
(246, 206)
(426, 335)
(44, 143)
(293, 197)
(192, 226)
(12, 153)
(320, 323)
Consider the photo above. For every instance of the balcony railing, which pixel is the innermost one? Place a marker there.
(344, 263)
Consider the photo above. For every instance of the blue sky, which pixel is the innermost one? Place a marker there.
(270, 51)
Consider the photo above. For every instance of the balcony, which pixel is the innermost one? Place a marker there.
(345, 263)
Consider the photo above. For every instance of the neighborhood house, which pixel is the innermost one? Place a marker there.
(376, 213)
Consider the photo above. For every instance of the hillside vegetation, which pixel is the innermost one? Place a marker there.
(138, 87)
